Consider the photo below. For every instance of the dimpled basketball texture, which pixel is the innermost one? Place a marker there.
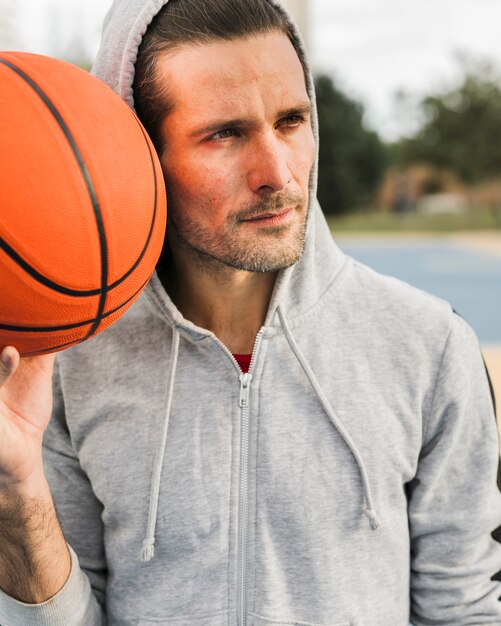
(82, 205)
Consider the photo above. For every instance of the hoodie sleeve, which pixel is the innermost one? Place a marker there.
(79, 602)
(454, 501)
(73, 605)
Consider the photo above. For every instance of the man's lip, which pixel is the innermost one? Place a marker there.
(267, 216)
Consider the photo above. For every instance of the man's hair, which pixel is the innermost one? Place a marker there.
(191, 22)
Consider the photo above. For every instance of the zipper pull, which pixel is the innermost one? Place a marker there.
(245, 381)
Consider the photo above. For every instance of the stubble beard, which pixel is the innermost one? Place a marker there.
(271, 249)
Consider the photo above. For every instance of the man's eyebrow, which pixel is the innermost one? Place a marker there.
(301, 109)
(219, 125)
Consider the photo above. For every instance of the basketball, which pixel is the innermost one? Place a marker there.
(82, 205)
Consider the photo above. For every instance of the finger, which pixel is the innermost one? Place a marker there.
(9, 360)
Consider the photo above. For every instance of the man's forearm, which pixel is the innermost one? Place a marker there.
(34, 558)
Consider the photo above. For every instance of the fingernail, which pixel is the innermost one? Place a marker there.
(5, 359)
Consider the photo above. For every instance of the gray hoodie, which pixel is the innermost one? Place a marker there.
(349, 479)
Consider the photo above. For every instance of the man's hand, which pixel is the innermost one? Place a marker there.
(25, 409)
(34, 558)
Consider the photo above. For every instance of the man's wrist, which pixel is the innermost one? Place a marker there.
(34, 558)
(35, 486)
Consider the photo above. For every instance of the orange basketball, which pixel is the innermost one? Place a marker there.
(82, 205)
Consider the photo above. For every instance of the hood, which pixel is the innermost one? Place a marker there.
(299, 287)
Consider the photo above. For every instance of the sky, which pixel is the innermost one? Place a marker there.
(372, 48)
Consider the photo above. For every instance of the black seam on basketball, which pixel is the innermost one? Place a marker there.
(154, 217)
(51, 349)
(88, 182)
(92, 292)
(77, 341)
(40, 278)
(51, 329)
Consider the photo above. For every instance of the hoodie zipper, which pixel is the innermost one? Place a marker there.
(243, 522)
(245, 382)
(243, 529)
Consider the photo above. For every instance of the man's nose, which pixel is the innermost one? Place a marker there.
(269, 170)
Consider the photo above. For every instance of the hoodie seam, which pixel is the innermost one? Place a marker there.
(289, 621)
(173, 620)
(158, 306)
(325, 297)
(173, 317)
(128, 67)
(256, 499)
(231, 525)
(430, 411)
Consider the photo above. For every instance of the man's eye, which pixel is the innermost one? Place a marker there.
(225, 133)
(292, 121)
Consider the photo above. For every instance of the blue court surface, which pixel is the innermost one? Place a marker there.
(468, 278)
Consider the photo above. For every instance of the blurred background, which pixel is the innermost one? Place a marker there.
(409, 100)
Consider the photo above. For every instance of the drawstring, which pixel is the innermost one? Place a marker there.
(369, 510)
(148, 549)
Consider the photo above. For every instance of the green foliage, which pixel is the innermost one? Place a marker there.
(351, 157)
(386, 222)
(462, 128)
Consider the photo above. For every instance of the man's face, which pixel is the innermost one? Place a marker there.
(238, 151)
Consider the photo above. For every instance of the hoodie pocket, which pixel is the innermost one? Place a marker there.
(259, 620)
(210, 619)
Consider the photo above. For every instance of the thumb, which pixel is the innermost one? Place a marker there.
(9, 360)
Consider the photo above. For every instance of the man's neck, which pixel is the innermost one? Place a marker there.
(230, 303)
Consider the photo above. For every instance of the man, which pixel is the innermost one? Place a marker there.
(273, 434)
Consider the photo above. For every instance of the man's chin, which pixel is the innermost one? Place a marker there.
(275, 249)
(261, 262)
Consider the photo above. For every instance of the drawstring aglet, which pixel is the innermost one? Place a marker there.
(373, 518)
(148, 549)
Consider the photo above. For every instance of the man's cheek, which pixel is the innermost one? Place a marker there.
(310, 153)
(214, 186)
(307, 165)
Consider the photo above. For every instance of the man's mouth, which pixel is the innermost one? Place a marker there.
(271, 218)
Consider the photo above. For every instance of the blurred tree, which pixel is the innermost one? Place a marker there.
(352, 158)
(462, 127)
